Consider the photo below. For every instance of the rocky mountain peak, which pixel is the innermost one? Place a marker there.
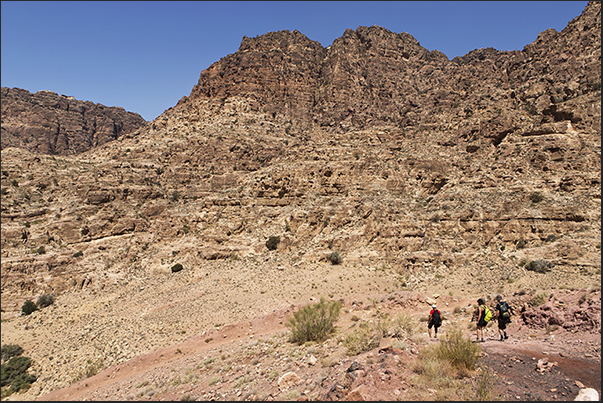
(284, 40)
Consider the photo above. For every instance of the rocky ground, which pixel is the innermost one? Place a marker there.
(253, 359)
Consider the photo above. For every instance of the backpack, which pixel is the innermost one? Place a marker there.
(487, 314)
(504, 310)
(436, 318)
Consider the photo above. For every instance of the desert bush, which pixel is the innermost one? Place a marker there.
(176, 268)
(458, 350)
(536, 197)
(484, 385)
(435, 371)
(78, 253)
(314, 322)
(402, 325)
(272, 242)
(45, 300)
(522, 243)
(14, 373)
(335, 258)
(11, 350)
(538, 299)
(41, 250)
(362, 339)
(28, 307)
(539, 266)
(92, 368)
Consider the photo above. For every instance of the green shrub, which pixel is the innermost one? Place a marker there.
(539, 266)
(362, 339)
(335, 258)
(176, 268)
(459, 351)
(11, 350)
(272, 242)
(538, 299)
(44, 301)
(28, 307)
(14, 373)
(314, 322)
(536, 197)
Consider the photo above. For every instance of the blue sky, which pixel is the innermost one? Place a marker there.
(146, 55)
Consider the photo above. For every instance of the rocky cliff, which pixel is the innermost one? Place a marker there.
(469, 176)
(47, 123)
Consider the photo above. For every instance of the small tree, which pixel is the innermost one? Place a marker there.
(314, 322)
(335, 258)
(28, 307)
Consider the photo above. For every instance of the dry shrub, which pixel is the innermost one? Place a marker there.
(362, 339)
(538, 299)
(314, 322)
(459, 351)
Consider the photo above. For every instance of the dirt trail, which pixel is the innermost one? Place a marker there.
(572, 359)
(162, 358)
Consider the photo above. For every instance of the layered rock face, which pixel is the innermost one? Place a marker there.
(372, 77)
(47, 123)
(423, 173)
(373, 146)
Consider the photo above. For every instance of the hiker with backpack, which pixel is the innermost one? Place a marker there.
(504, 312)
(483, 317)
(435, 320)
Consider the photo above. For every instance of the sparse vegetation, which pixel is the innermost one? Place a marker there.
(28, 307)
(45, 300)
(536, 197)
(314, 322)
(539, 299)
(458, 350)
(177, 267)
(14, 373)
(539, 266)
(272, 242)
(484, 385)
(92, 368)
(79, 253)
(363, 338)
(11, 350)
(335, 258)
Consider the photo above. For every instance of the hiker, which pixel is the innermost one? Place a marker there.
(481, 320)
(435, 320)
(503, 316)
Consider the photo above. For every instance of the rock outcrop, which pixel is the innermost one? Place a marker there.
(48, 123)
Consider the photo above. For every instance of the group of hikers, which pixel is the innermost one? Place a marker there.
(482, 315)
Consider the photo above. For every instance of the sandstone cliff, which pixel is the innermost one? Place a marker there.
(423, 173)
(47, 123)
